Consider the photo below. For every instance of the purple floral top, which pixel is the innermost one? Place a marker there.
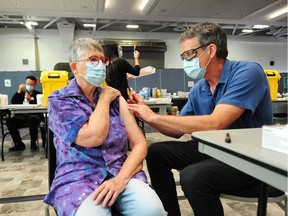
(81, 170)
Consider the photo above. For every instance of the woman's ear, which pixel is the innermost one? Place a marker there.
(73, 66)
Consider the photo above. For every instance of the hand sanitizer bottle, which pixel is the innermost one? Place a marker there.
(25, 102)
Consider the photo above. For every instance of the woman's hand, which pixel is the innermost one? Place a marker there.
(136, 54)
(109, 94)
(108, 191)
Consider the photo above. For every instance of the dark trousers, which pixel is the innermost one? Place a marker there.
(26, 120)
(202, 178)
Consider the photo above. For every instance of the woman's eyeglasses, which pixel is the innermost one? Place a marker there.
(190, 54)
(95, 60)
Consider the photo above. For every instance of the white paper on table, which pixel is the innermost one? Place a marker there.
(274, 137)
(143, 72)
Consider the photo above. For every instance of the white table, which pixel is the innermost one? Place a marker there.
(24, 109)
(161, 106)
(246, 154)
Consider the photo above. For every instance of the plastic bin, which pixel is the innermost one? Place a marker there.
(273, 77)
(51, 81)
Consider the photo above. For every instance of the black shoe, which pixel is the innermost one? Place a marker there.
(34, 148)
(20, 147)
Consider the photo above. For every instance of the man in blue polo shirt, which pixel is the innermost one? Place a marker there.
(229, 94)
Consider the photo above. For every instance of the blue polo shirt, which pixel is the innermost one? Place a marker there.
(243, 84)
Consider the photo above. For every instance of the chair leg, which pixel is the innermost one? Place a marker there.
(2, 147)
(284, 206)
(286, 203)
(43, 135)
(46, 210)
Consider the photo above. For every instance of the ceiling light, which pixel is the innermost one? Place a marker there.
(32, 23)
(247, 30)
(147, 6)
(260, 26)
(143, 4)
(89, 25)
(132, 26)
(279, 12)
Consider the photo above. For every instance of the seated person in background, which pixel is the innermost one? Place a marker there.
(229, 94)
(93, 130)
(119, 67)
(26, 94)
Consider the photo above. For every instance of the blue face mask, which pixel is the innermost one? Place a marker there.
(29, 88)
(192, 68)
(95, 75)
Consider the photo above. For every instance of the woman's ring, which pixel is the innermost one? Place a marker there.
(110, 192)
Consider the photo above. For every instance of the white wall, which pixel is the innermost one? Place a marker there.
(51, 51)
(15, 46)
(13, 50)
(261, 52)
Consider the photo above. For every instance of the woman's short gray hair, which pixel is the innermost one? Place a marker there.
(80, 46)
(207, 33)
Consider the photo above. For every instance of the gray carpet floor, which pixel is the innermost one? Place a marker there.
(26, 173)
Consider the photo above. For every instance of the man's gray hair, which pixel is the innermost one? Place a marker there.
(207, 33)
(80, 46)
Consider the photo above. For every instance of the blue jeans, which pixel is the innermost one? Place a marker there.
(137, 199)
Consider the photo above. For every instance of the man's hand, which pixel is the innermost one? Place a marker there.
(27, 96)
(22, 87)
(109, 94)
(139, 108)
(108, 192)
(135, 99)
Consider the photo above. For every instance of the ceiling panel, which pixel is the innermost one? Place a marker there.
(162, 15)
(223, 9)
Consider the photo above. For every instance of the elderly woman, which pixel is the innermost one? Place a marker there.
(93, 131)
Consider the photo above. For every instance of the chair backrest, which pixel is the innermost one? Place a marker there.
(51, 157)
(62, 66)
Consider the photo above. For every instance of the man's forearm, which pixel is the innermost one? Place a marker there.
(176, 126)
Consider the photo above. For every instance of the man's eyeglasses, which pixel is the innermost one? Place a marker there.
(190, 54)
(95, 60)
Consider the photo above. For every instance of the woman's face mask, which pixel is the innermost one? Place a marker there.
(192, 67)
(95, 75)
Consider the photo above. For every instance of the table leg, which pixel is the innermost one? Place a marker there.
(262, 199)
(163, 110)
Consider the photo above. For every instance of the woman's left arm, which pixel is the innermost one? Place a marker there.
(109, 190)
(137, 144)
